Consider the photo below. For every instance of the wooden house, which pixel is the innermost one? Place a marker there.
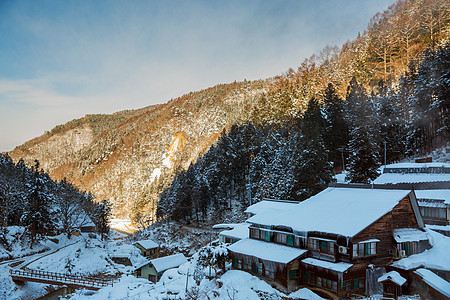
(148, 248)
(337, 240)
(153, 269)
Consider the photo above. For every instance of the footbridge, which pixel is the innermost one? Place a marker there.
(69, 280)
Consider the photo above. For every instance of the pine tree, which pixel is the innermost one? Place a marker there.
(363, 147)
(38, 217)
(336, 135)
(102, 218)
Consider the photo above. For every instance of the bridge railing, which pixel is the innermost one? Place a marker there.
(61, 278)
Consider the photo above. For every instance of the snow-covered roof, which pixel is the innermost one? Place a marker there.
(411, 165)
(239, 231)
(436, 258)
(403, 235)
(266, 251)
(439, 227)
(393, 276)
(147, 244)
(410, 178)
(433, 195)
(340, 267)
(168, 262)
(344, 211)
(271, 206)
(433, 280)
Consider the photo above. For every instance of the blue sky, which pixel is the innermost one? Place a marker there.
(61, 60)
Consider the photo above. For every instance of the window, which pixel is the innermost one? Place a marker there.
(267, 236)
(290, 240)
(234, 262)
(254, 233)
(358, 284)
(346, 286)
(306, 276)
(313, 244)
(312, 278)
(255, 268)
(434, 212)
(281, 238)
(321, 245)
(409, 247)
(239, 264)
(300, 242)
(364, 249)
(245, 264)
(269, 271)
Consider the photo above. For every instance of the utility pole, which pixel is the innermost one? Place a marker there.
(249, 188)
(385, 153)
(343, 162)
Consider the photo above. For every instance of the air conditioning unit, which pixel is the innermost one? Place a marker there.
(342, 250)
(402, 253)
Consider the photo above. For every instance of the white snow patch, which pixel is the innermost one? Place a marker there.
(156, 173)
(305, 293)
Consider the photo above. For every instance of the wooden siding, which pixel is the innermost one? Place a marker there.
(401, 216)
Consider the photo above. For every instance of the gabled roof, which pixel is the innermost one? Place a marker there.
(266, 251)
(147, 244)
(165, 263)
(344, 211)
(393, 276)
(168, 262)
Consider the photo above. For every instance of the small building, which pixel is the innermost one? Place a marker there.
(153, 269)
(148, 248)
(121, 258)
(392, 284)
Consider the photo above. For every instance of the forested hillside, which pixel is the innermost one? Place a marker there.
(30, 199)
(292, 156)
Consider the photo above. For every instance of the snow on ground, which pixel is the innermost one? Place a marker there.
(435, 258)
(14, 236)
(123, 225)
(304, 293)
(173, 282)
